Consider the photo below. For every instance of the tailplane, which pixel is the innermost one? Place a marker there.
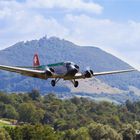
(36, 60)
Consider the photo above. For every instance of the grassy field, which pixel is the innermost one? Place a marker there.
(6, 123)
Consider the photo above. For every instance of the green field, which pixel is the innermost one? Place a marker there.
(6, 123)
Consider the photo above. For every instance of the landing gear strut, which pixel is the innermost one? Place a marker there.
(75, 83)
(53, 82)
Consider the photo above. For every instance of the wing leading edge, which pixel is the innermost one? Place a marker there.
(112, 72)
(24, 71)
(82, 76)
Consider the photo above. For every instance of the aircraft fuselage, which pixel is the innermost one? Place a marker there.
(63, 68)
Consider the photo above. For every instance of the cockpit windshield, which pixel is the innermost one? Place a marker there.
(69, 63)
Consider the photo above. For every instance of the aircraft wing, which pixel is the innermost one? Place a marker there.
(24, 71)
(112, 72)
(82, 76)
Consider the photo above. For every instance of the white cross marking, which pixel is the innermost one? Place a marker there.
(35, 60)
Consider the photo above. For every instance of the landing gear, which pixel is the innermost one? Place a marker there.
(53, 82)
(75, 83)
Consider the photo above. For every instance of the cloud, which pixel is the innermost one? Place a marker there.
(18, 23)
(121, 39)
(103, 32)
(79, 5)
(26, 21)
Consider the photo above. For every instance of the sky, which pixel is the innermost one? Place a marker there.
(112, 25)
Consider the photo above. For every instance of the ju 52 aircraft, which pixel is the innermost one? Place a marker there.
(63, 70)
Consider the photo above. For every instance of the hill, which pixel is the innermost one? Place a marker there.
(53, 50)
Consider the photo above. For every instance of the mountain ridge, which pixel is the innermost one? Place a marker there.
(53, 50)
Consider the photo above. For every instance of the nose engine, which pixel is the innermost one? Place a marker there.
(88, 73)
(72, 69)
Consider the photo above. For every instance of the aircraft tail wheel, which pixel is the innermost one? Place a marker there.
(76, 84)
(53, 83)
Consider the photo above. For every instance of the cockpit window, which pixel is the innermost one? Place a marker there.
(68, 64)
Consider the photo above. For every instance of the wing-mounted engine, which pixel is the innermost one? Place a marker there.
(52, 70)
(49, 71)
(88, 73)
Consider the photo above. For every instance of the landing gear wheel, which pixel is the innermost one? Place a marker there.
(76, 84)
(53, 83)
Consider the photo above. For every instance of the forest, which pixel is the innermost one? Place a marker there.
(36, 117)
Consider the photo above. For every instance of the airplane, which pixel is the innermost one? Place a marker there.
(62, 70)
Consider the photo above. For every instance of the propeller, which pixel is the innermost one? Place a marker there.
(89, 69)
(88, 73)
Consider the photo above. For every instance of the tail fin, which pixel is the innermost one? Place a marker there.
(36, 60)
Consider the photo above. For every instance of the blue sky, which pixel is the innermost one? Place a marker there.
(113, 25)
(120, 10)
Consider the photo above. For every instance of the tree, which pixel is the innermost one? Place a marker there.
(99, 131)
(2, 108)
(128, 132)
(29, 113)
(76, 100)
(130, 105)
(10, 112)
(4, 134)
(5, 98)
(35, 95)
(82, 134)
(136, 126)
(33, 132)
(69, 134)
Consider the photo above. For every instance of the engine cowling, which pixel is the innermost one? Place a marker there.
(88, 73)
(49, 71)
(52, 70)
